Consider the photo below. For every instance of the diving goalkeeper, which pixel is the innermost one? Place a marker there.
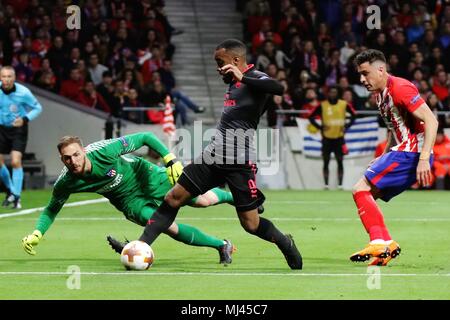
(136, 187)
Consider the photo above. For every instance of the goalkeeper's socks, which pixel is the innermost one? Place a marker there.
(267, 231)
(371, 216)
(195, 237)
(223, 196)
(159, 222)
(5, 177)
(17, 179)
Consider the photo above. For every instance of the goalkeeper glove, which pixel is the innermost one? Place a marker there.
(174, 168)
(31, 241)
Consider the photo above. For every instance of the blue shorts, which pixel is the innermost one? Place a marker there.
(394, 172)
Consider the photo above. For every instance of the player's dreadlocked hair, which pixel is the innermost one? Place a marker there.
(370, 56)
(66, 140)
(233, 45)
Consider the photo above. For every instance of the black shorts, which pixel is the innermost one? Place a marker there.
(13, 139)
(332, 145)
(241, 179)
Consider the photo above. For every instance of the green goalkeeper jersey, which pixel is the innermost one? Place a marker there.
(129, 182)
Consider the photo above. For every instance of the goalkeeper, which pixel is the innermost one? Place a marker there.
(133, 185)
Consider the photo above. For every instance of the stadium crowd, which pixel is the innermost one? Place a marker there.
(123, 55)
(310, 45)
(120, 58)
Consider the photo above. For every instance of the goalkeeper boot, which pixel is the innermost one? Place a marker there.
(8, 200)
(292, 255)
(116, 245)
(225, 252)
(371, 250)
(394, 251)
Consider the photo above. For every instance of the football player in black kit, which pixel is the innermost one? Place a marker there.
(230, 156)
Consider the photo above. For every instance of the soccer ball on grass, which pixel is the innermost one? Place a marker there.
(137, 255)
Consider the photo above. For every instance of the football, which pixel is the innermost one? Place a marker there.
(137, 255)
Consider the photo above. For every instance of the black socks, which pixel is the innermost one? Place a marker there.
(159, 222)
(267, 231)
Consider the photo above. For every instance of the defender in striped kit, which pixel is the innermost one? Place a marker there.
(406, 159)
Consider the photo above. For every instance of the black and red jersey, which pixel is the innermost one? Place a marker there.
(244, 105)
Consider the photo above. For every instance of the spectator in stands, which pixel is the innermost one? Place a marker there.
(88, 50)
(74, 58)
(106, 90)
(45, 68)
(47, 81)
(273, 118)
(120, 95)
(96, 69)
(152, 64)
(130, 79)
(84, 72)
(71, 87)
(347, 96)
(265, 33)
(437, 106)
(132, 100)
(271, 55)
(24, 72)
(56, 55)
(334, 69)
(91, 98)
(417, 77)
(311, 103)
(440, 85)
(333, 112)
(441, 165)
(41, 43)
(181, 100)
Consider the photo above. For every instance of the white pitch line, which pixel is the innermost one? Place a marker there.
(234, 219)
(341, 200)
(220, 274)
(33, 210)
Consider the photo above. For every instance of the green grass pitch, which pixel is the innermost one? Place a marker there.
(325, 226)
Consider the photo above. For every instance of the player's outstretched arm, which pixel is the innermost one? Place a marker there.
(44, 222)
(264, 84)
(135, 141)
(132, 142)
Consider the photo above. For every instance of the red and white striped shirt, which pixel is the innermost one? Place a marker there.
(396, 103)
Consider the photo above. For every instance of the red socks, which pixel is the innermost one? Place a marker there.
(371, 216)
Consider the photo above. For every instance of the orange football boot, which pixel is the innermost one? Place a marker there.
(394, 251)
(371, 250)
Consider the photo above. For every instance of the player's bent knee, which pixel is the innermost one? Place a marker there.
(202, 202)
(361, 185)
(249, 227)
(177, 196)
(249, 222)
